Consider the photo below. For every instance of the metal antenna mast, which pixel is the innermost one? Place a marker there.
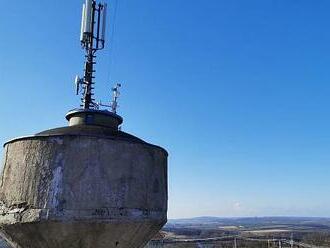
(291, 240)
(116, 94)
(92, 37)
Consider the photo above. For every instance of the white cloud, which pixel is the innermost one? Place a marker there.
(237, 206)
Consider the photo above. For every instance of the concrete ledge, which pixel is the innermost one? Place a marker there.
(12, 216)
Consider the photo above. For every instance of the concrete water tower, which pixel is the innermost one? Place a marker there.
(88, 184)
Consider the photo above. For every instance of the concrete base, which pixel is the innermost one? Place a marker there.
(82, 187)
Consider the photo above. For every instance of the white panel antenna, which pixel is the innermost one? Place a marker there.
(104, 22)
(83, 23)
(88, 16)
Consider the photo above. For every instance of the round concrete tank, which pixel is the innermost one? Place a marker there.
(85, 185)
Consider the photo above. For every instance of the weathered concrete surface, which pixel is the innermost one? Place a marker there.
(82, 191)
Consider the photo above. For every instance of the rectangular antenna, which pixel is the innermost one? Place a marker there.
(104, 22)
(83, 23)
(88, 16)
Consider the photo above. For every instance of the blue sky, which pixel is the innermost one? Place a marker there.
(236, 91)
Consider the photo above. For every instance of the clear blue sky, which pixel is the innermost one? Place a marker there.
(237, 92)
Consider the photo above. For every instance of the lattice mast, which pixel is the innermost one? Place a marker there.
(92, 37)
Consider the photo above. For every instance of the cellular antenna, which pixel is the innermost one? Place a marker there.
(92, 38)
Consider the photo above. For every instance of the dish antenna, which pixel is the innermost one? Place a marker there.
(92, 38)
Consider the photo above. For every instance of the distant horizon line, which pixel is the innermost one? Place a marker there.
(250, 217)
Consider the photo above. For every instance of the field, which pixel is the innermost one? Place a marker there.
(265, 232)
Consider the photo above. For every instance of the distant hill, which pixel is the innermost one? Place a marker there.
(252, 221)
